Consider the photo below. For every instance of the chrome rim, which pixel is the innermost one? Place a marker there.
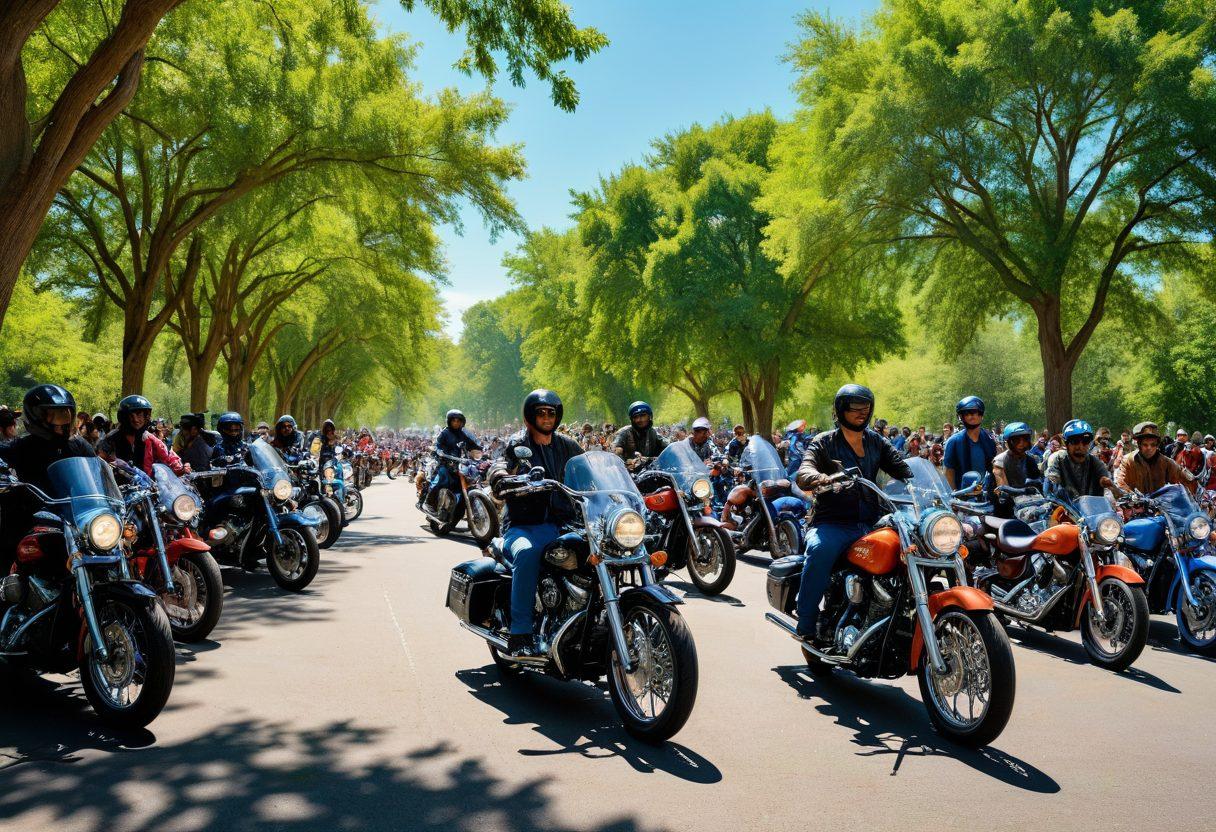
(785, 546)
(961, 695)
(292, 557)
(646, 691)
(120, 678)
(479, 519)
(708, 562)
(185, 606)
(315, 512)
(351, 505)
(1201, 620)
(1113, 636)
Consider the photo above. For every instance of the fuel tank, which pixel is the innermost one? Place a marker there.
(876, 552)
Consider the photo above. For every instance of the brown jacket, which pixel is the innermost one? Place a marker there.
(1135, 473)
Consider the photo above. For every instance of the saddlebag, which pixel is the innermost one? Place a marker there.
(784, 578)
(472, 587)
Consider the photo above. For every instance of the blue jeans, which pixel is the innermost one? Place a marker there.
(522, 547)
(443, 478)
(790, 505)
(824, 545)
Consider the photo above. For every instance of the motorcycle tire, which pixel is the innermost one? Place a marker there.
(388, 471)
(786, 542)
(333, 523)
(203, 572)
(1133, 612)
(352, 507)
(642, 615)
(290, 575)
(816, 666)
(981, 626)
(724, 555)
(1203, 586)
(140, 642)
(482, 517)
(444, 528)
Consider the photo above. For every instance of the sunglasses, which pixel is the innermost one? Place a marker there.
(546, 411)
(967, 413)
(1078, 441)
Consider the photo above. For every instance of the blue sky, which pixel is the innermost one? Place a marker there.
(670, 63)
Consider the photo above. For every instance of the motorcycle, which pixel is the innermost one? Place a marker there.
(765, 523)
(337, 478)
(471, 502)
(601, 613)
(898, 603)
(1172, 550)
(70, 601)
(164, 552)
(305, 473)
(251, 517)
(1051, 575)
(680, 522)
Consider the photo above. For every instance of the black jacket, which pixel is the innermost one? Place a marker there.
(448, 441)
(228, 447)
(829, 453)
(28, 457)
(648, 443)
(549, 507)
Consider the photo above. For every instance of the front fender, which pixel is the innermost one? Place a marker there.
(296, 520)
(135, 592)
(701, 520)
(1107, 570)
(956, 597)
(658, 592)
(176, 548)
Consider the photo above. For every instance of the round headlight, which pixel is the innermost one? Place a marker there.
(105, 531)
(942, 533)
(184, 508)
(281, 490)
(628, 529)
(1200, 527)
(1108, 530)
(700, 489)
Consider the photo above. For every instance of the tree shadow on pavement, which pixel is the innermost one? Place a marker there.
(1163, 637)
(1074, 653)
(579, 719)
(258, 775)
(888, 723)
(350, 540)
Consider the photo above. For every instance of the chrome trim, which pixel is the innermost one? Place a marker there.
(12, 642)
(554, 653)
(501, 645)
(154, 521)
(785, 624)
(616, 624)
(1047, 607)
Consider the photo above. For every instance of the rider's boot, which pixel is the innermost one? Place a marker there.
(521, 645)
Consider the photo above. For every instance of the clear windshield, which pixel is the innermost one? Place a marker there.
(761, 459)
(169, 486)
(268, 462)
(682, 462)
(87, 483)
(1177, 502)
(1093, 509)
(602, 477)
(926, 488)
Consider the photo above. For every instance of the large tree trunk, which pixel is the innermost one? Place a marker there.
(240, 378)
(136, 349)
(1057, 367)
(200, 380)
(749, 411)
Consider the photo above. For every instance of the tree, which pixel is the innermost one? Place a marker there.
(1034, 157)
(491, 350)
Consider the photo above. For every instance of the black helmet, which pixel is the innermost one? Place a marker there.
(542, 398)
(639, 407)
(130, 405)
(852, 394)
(285, 419)
(230, 418)
(454, 414)
(329, 423)
(41, 399)
(969, 403)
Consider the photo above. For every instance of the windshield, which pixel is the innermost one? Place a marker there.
(682, 462)
(925, 489)
(762, 460)
(1177, 502)
(1093, 509)
(169, 486)
(87, 482)
(603, 478)
(268, 462)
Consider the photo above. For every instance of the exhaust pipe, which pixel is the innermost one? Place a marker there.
(1039, 615)
(500, 644)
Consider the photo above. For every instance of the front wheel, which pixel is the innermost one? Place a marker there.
(1197, 625)
(329, 521)
(295, 562)
(391, 470)
(972, 701)
(786, 541)
(352, 506)
(198, 599)
(129, 689)
(714, 569)
(482, 517)
(1116, 643)
(656, 699)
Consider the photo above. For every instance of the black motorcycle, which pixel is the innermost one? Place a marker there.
(70, 602)
(601, 613)
(464, 498)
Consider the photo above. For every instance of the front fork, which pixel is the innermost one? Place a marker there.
(84, 589)
(160, 543)
(1091, 577)
(272, 520)
(920, 596)
(612, 605)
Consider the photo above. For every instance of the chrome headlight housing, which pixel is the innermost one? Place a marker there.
(1199, 527)
(700, 488)
(942, 533)
(281, 489)
(104, 531)
(627, 528)
(1108, 530)
(185, 508)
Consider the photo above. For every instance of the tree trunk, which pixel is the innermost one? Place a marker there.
(1057, 367)
(749, 410)
(135, 353)
(200, 381)
(240, 376)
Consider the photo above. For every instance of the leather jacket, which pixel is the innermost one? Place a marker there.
(546, 507)
(830, 453)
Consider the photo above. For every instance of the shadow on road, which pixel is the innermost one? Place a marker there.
(888, 723)
(1163, 637)
(1074, 653)
(580, 719)
(351, 539)
(256, 775)
(690, 591)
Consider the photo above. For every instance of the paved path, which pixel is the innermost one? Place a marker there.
(361, 705)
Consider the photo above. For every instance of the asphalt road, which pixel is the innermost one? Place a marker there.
(361, 705)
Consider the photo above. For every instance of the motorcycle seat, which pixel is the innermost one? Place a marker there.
(1015, 537)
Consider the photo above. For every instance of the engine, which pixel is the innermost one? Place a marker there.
(856, 601)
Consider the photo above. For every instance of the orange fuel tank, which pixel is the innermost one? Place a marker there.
(877, 552)
(1063, 539)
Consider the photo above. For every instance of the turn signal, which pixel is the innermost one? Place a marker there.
(658, 558)
(962, 552)
(129, 533)
(594, 559)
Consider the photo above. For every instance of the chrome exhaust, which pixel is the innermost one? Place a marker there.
(500, 644)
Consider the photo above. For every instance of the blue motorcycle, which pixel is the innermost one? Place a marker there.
(1171, 550)
(249, 516)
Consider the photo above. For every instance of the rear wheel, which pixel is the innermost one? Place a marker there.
(972, 701)
(1197, 625)
(1117, 642)
(294, 564)
(816, 666)
(505, 666)
(445, 498)
(329, 521)
(714, 569)
(786, 541)
(194, 607)
(129, 689)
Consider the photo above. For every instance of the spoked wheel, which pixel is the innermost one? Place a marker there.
(329, 521)
(786, 541)
(656, 699)
(194, 607)
(444, 527)
(482, 517)
(972, 701)
(1117, 642)
(294, 564)
(132, 685)
(1197, 625)
(712, 570)
(352, 505)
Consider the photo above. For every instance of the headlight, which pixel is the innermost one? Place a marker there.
(1108, 530)
(628, 529)
(700, 489)
(184, 508)
(1199, 527)
(104, 532)
(942, 533)
(281, 490)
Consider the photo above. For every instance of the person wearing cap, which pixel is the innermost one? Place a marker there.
(1180, 439)
(8, 423)
(700, 441)
(1146, 469)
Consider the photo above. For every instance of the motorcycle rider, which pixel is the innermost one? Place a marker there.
(288, 441)
(972, 448)
(737, 444)
(329, 440)
(798, 438)
(195, 448)
(1074, 468)
(449, 441)
(134, 442)
(231, 449)
(1146, 469)
(699, 440)
(844, 516)
(1014, 466)
(639, 436)
(533, 521)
